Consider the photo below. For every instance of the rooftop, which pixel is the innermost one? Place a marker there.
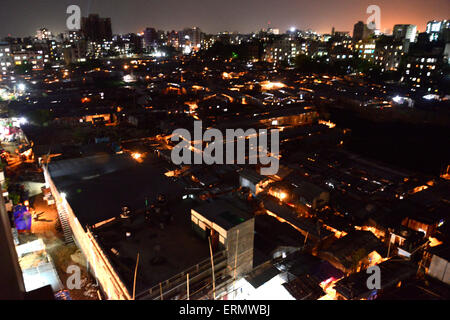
(393, 271)
(304, 287)
(345, 248)
(418, 289)
(97, 187)
(251, 175)
(164, 252)
(304, 225)
(223, 213)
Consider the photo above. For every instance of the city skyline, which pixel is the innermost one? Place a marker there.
(250, 18)
(225, 151)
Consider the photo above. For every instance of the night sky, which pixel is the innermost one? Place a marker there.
(23, 17)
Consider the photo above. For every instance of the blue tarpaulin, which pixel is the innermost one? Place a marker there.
(63, 295)
(22, 218)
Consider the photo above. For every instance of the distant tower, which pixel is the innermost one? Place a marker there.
(150, 37)
(438, 30)
(405, 31)
(95, 28)
(360, 31)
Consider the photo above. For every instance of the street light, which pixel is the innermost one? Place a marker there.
(397, 99)
(21, 87)
(136, 156)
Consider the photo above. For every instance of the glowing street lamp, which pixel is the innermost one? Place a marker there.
(21, 87)
(136, 156)
(397, 99)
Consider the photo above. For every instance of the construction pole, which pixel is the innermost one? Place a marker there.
(187, 283)
(235, 264)
(306, 238)
(160, 291)
(212, 269)
(389, 247)
(135, 274)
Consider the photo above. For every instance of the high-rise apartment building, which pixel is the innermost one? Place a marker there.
(439, 30)
(96, 29)
(360, 31)
(405, 32)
